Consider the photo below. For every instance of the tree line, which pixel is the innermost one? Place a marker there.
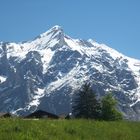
(86, 105)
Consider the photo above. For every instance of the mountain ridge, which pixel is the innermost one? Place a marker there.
(45, 72)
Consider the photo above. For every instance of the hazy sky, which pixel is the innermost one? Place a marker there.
(112, 22)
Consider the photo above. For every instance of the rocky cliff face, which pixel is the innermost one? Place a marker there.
(45, 73)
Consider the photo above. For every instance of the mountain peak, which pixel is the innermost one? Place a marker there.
(54, 30)
(56, 27)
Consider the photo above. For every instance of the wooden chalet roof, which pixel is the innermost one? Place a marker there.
(42, 114)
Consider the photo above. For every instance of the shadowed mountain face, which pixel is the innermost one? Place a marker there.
(45, 73)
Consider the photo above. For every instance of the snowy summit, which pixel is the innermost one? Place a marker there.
(44, 73)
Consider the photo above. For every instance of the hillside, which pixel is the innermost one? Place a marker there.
(68, 130)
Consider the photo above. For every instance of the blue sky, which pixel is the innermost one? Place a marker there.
(113, 22)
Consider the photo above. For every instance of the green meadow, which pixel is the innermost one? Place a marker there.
(43, 129)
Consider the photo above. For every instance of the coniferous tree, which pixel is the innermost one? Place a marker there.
(109, 111)
(85, 104)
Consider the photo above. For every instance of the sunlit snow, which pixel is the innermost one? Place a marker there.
(2, 79)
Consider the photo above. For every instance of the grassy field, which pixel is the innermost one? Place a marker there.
(19, 129)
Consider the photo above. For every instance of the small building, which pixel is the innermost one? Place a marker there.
(5, 115)
(42, 114)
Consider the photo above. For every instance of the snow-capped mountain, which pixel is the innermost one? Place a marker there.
(45, 73)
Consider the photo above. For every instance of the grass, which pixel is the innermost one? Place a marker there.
(19, 129)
